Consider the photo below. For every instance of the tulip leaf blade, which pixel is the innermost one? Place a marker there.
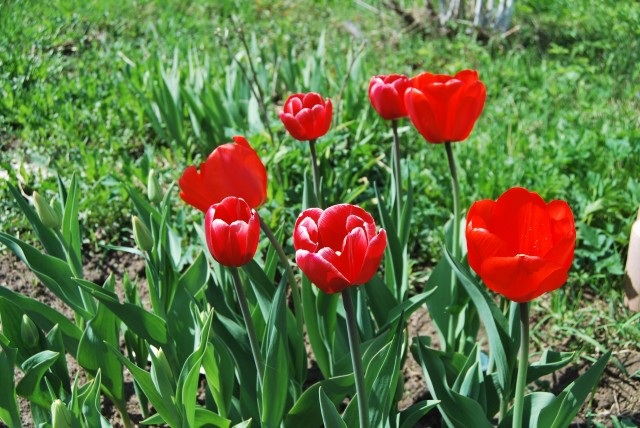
(533, 405)
(195, 278)
(493, 320)
(54, 273)
(165, 408)
(187, 388)
(410, 416)
(34, 368)
(46, 236)
(276, 367)
(9, 410)
(456, 409)
(206, 419)
(306, 410)
(330, 416)
(313, 328)
(145, 324)
(71, 227)
(561, 411)
(45, 317)
(394, 249)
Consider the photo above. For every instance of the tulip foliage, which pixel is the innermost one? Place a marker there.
(232, 320)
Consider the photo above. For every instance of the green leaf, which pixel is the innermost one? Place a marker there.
(276, 372)
(90, 399)
(92, 354)
(311, 317)
(53, 272)
(533, 404)
(385, 379)
(9, 410)
(71, 228)
(405, 309)
(393, 244)
(219, 369)
(244, 424)
(145, 324)
(456, 409)
(188, 381)
(46, 236)
(166, 408)
(206, 418)
(330, 416)
(34, 368)
(45, 317)
(306, 411)
(561, 411)
(195, 278)
(381, 300)
(493, 320)
(410, 416)
(549, 362)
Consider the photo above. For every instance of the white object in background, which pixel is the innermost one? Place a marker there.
(632, 271)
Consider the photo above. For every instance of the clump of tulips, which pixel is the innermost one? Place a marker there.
(224, 315)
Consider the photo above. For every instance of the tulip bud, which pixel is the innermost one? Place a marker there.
(163, 364)
(29, 332)
(60, 416)
(154, 191)
(48, 215)
(142, 235)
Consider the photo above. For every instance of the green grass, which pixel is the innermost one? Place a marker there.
(561, 116)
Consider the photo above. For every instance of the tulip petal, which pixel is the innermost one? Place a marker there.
(465, 109)
(522, 278)
(293, 127)
(481, 245)
(332, 224)
(320, 272)
(520, 219)
(423, 116)
(375, 251)
(354, 251)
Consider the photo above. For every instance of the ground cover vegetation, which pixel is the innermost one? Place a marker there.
(108, 92)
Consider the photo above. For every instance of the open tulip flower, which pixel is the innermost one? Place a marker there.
(232, 229)
(307, 116)
(338, 247)
(386, 94)
(230, 170)
(444, 108)
(520, 246)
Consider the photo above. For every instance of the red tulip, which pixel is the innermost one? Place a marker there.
(520, 246)
(445, 108)
(307, 116)
(230, 170)
(386, 94)
(232, 229)
(338, 247)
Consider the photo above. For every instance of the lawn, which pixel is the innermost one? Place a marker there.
(108, 91)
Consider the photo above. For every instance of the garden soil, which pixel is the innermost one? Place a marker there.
(617, 393)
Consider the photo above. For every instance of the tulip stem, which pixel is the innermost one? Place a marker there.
(356, 358)
(295, 291)
(455, 243)
(523, 364)
(316, 173)
(398, 175)
(251, 331)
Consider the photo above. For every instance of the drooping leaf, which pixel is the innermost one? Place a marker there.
(330, 416)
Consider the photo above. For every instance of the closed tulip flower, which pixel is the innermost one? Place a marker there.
(444, 108)
(307, 116)
(520, 246)
(386, 94)
(230, 170)
(338, 247)
(232, 229)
